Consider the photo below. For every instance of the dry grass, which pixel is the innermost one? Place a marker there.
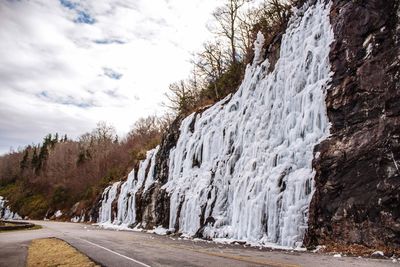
(55, 252)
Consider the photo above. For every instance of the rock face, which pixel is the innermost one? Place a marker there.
(155, 201)
(141, 201)
(357, 197)
(244, 168)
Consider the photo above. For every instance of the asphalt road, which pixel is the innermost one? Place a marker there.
(122, 248)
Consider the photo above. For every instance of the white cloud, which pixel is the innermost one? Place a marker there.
(60, 74)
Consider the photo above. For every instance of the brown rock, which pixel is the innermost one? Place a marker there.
(357, 198)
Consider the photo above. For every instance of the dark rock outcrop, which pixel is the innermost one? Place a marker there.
(357, 198)
(152, 207)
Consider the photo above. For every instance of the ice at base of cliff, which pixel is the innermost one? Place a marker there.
(5, 211)
(124, 192)
(247, 164)
(58, 214)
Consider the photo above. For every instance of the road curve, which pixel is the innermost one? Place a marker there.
(122, 248)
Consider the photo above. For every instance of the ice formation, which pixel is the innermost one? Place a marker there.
(248, 162)
(5, 211)
(58, 213)
(125, 213)
(244, 171)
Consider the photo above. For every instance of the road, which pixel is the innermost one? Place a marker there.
(123, 248)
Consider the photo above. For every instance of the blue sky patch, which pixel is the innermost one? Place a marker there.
(68, 4)
(82, 16)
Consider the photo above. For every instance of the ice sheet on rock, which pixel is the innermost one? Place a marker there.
(109, 195)
(58, 214)
(126, 210)
(247, 165)
(5, 211)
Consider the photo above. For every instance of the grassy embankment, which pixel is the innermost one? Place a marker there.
(55, 252)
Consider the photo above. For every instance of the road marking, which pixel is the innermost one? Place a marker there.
(116, 253)
(248, 259)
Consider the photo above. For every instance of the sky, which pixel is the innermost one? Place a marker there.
(66, 65)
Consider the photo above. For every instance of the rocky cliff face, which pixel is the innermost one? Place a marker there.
(357, 197)
(247, 167)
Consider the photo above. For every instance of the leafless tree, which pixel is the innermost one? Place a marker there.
(211, 63)
(227, 18)
(181, 97)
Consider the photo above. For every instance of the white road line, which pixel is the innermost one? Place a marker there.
(116, 253)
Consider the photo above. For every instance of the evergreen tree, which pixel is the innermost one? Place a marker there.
(35, 159)
(24, 162)
(55, 139)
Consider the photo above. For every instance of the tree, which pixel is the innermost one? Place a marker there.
(181, 97)
(43, 156)
(146, 126)
(24, 162)
(211, 63)
(103, 133)
(276, 10)
(35, 159)
(227, 18)
(247, 32)
(272, 16)
(55, 140)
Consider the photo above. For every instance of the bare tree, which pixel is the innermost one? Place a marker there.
(211, 63)
(246, 31)
(181, 97)
(103, 133)
(227, 18)
(146, 126)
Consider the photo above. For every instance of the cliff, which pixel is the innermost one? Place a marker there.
(305, 152)
(241, 169)
(357, 197)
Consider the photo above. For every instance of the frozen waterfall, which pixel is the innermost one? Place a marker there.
(242, 169)
(124, 194)
(5, 211)
(247, 165)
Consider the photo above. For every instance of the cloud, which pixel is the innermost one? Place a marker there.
(67, 64)
(110, 41)
(112, 74)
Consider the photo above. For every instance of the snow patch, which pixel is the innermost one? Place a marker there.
(159, 231)
(378, 253)
(58, 214)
